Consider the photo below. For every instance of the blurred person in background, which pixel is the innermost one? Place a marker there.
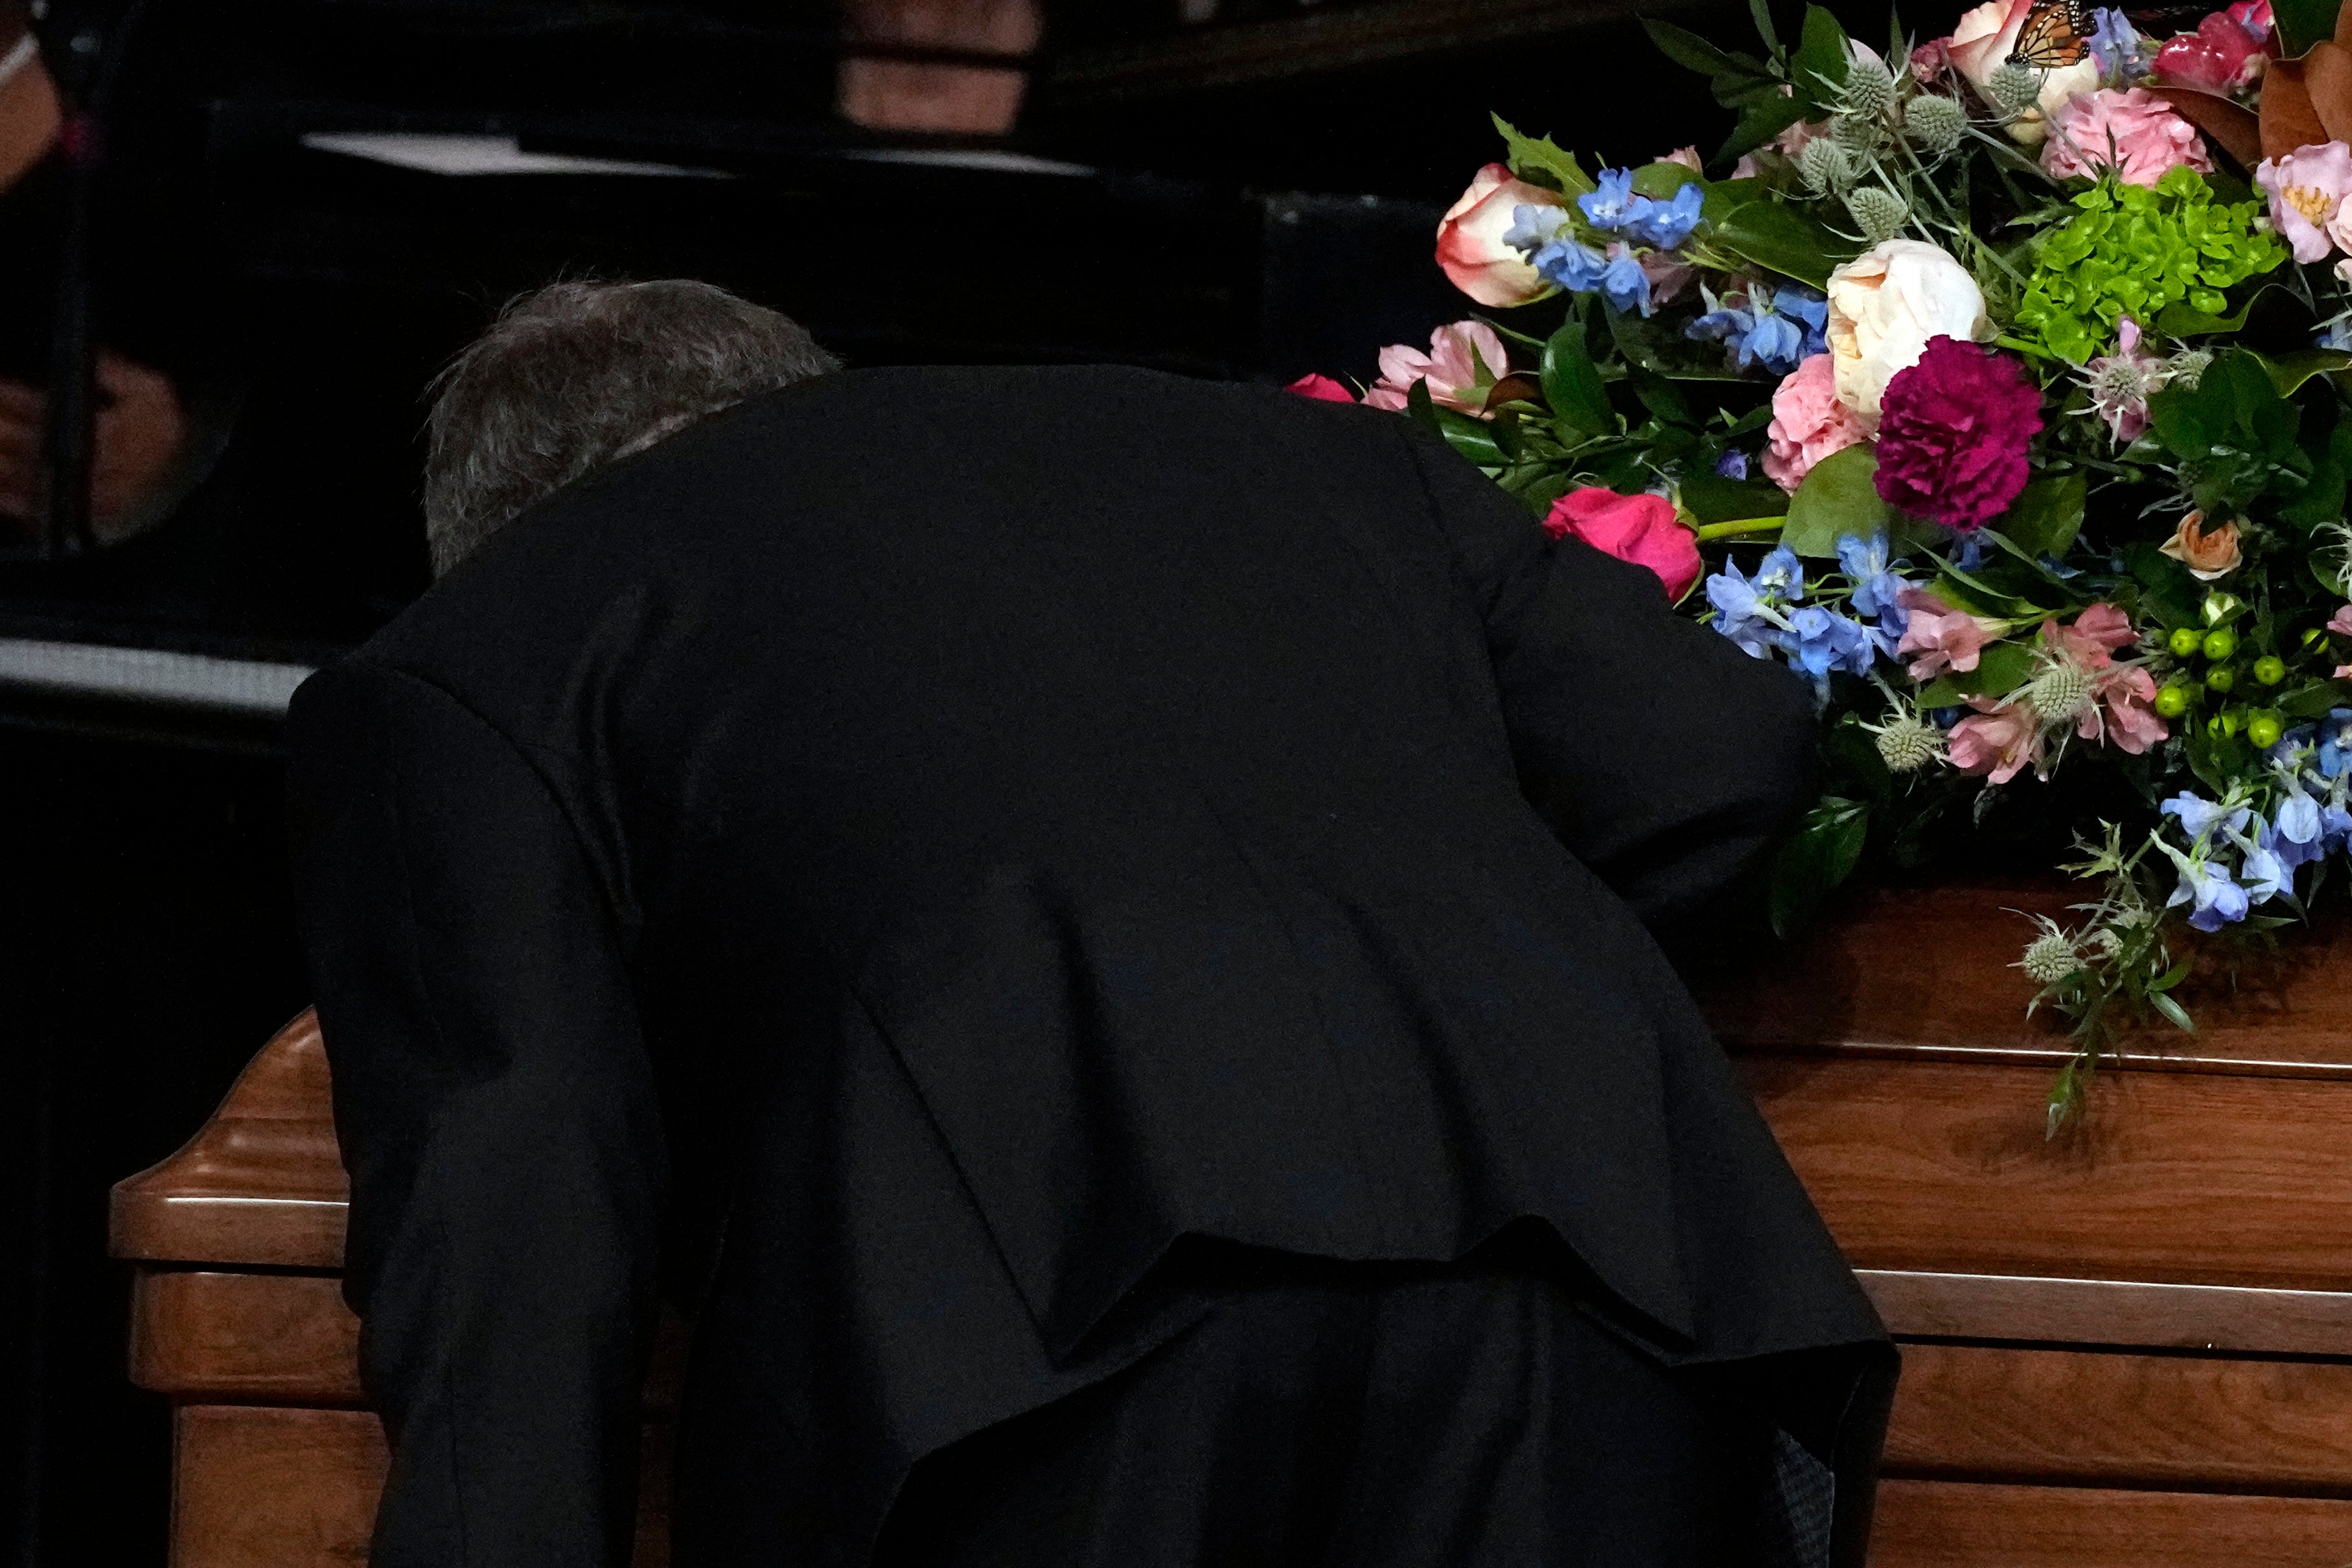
(142, 432)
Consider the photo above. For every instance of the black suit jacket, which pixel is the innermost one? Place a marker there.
(1012, 820)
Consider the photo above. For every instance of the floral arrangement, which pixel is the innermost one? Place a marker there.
(2001, 385)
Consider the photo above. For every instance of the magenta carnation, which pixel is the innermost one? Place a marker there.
(1952, 435)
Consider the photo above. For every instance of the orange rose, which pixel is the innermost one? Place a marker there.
(2208, 553)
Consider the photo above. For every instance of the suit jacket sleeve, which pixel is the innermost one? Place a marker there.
(498, 1116)
(1663, 757)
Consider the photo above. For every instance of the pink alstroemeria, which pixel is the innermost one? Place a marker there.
(1997, 739)
(2122, 710)
(2340, 622)
(1449, 367)
(1943, 637)
(2095, 633)
(2307, 188)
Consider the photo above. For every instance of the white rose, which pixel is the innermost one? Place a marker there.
(1985, 38)
(1885, 305)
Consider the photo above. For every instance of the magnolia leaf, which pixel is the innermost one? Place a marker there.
(1839, 497)
(1662, 179)
(2288, 372)
(2002, 669)
(1540, 155)
(1819, 67)
(1470, 437)
(2046, 515)
(2302, 23)
(1778, 237)
(1711, 498)
(1760, 119)
(1823, 853)
(1572, 384)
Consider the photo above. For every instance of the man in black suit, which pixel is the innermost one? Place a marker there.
(1097, 924)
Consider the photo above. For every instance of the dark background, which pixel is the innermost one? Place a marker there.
(1257, 199)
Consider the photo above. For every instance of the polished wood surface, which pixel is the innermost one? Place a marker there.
(1960, 1524)
(261, 1183)
(1919, 974)
(213, 1335)
(2188, 1422)
(2119, 1312)
(274, 1486)
(2178, 1178)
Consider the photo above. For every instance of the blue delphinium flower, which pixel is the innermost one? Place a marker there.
(2335, 335)
(2260, 871)
(1668, 223)
(2199, 816)
(1612, 203)
(1744, 611)
(2215, 899)
(1827, 641)
(2115, 44)
(1535, 226)
(2294, 833)
(2336, 743)
(1967, 550)
(1810, 308)
(1732, 466)
(1866, 562)
(1622, 281)
(1782, 573)
(1775, 330)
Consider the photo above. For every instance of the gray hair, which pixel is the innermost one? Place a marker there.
(576, 376)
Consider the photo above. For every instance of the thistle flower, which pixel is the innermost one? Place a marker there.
(2013, 88)
(1934, 123)
(1907, 742)
(1869, 90)
(1879, 212)
(1825, 167)
(1856, 132)
(2050, 957)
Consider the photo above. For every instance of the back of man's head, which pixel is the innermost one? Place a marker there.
(577, 375)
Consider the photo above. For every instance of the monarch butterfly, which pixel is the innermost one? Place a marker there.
(2054, 36)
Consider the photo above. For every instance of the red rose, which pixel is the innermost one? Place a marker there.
(1640, 528)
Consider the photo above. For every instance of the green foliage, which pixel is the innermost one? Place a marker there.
(1823, 852)
(2303, 23)
(1539, 161)
(1572, 386)
(2046, 515)
(1473, 438)
(2131, 250)
(1748, 220)
(1839, 497)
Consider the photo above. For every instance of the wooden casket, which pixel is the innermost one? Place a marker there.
(2130, 1347)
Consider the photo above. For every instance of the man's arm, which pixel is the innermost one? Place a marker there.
(1663, 757)
(498, 1116)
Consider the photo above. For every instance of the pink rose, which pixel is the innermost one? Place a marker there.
(1931, 59)
(1943, 637)
(2095, 634)
(1807, 422)
(2134, 132)
(1321, 388)
(1451, 367)
(1640, 528)
(2122, 710)
(2307, 188)
(1997, 739)
(2218, 56)
(1470, 240)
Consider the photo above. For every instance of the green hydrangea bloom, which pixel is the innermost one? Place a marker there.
(2133, 250)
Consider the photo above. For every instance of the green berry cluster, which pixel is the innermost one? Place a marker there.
(2219, 647)
(2131, 251)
